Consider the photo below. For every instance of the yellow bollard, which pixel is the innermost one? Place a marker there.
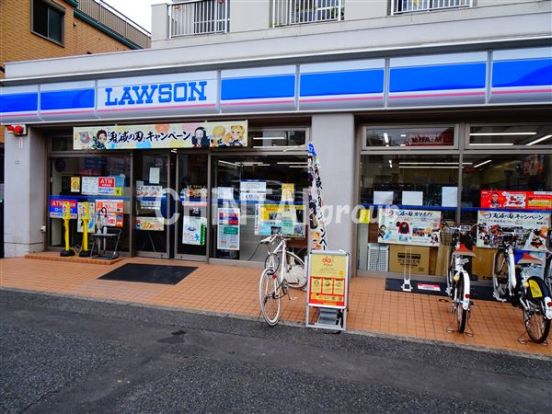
(66, 218)
(85, 219)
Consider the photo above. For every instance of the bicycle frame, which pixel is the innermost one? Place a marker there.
(459, 262)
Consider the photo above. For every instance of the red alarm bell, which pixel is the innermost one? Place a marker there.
(17, 130)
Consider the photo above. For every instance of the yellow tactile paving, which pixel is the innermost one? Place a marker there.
(233, 290)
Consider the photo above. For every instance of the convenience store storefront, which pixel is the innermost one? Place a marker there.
(422, 133)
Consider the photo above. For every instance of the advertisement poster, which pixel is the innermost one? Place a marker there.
(75, 184)
(228, 232)
(225, 193)
(149, 196)
(414, 227)
(109, 213)
(193, 230)
(150, 223)
(522, 200)
(288, 192)
(253, 191)
(57, 204)
(178, 135)
(285, 219)
(110, 186)
(194, 194)
(91, 216)
(327, 280)
(531, 227)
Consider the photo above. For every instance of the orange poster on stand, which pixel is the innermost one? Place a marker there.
(328, 279)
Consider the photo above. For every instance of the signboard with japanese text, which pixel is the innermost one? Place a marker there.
(531, 228)
(150, 223)
(413, 227)
(177, 135)
(328, 279)
(57, 204)
(522, 200)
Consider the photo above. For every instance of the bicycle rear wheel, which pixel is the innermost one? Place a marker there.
(461, 313)
(295, 272)
(536, 324)
(269, 296)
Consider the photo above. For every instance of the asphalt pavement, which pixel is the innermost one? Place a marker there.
(69, 355)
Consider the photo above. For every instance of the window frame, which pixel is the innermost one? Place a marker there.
(279, 147)
(49, 5)
(454, 125)
(471, 147)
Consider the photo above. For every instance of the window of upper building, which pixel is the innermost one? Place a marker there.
(47, 20)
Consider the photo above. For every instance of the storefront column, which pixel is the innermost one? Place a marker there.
(25, 193)
(333, 137)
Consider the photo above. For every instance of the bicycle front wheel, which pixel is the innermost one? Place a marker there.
(269, 296)
(500, 274)
(536, 324)
(461, 313)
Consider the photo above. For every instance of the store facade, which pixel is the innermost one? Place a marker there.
(405, 142)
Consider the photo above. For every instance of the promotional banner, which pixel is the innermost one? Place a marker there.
(523, 200)
(327, 280)
(285, 219)
(532, 229)
(317, 226)
(150, 223)
(413, 227)
(178, 135)
(91, 217)
(109, 213)
(194, 230)
(57, 204)
(228, 232)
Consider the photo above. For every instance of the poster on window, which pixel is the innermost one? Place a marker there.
(89, 185)
(58, 204)
(285, 219)
(109, 213)
(531, 229)
(228, 231)
(75, 184)
(149, 196)
(519, 200)
(150, 223)
(110, 186)
(218, 134)
(194, 195)
(413, 227)
(253, 191)
(91, 216)
(194, 230)
(288, 192)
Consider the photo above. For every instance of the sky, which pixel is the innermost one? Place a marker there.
(137, 10)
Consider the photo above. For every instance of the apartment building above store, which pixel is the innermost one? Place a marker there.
(250, 36)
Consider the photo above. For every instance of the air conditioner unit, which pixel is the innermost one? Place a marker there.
(378, 257)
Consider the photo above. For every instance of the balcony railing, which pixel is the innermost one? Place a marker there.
(289, 12)
(409, 6)
(114, 20)
(191, 17)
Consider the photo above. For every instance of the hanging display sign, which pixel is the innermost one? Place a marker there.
(328, 279)
(531, 229)
(413, 227)
(109, 213)
(150, 223)
(91, 216)
(522, 200)
(228, 232)
(178, 135)
(285, 219)
(194, 230)
(58, 203)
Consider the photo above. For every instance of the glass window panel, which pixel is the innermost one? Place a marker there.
(410, 137)
(278, 138)
(510, 135)
(55, 24)
(40, 17)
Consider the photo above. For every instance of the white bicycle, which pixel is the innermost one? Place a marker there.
(283, 269)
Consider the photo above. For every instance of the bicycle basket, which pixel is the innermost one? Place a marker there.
(447, 236)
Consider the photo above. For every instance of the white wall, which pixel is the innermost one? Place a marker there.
(333, 137)
(246, 15)
(25, 193)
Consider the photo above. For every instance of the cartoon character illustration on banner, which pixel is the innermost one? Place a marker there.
(316, 217)
(100, 140)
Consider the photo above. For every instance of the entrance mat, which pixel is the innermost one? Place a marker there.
(147, 273)
(436, 288)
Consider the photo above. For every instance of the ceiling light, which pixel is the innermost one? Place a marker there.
(498, 134)
(482, 163)
(492, 144)
(268, 138)
(386, 138)
(539, 140)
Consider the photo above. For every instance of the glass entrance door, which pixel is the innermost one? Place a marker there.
(191, 237)
(152, 205)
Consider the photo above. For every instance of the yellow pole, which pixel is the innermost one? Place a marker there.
(85, 219)
(66, 219)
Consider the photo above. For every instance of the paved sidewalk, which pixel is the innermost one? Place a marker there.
(233, 290)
